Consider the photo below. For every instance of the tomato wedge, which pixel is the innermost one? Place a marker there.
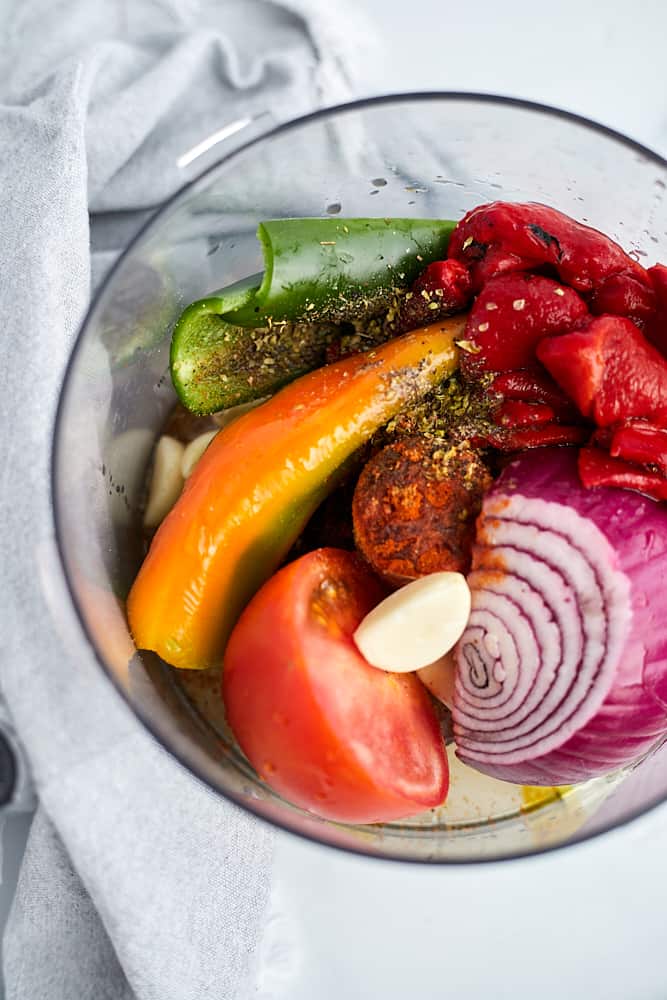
(322, 727)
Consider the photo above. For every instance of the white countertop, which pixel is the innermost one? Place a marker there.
(585, 922)
(603, 60)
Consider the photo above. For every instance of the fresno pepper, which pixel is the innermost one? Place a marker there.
(597, 468)
(502, 237)
(511, 314)
(610, 370)
(316, 271)
(259, 482)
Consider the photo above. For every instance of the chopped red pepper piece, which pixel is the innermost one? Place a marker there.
(639, 441)
(602, 437)
(511, 314)
(656, 327)
(596, 468)
(516, 413)
(610, 371)
(625, 295)
(528, 415)
(500, 237)
(443, 288)
(516, 439)
(535, 387)
(658, 276)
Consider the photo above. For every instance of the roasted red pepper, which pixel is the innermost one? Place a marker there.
(511, 314)
(443, 288)
(625, 295)
(518, 438)
(641, 442)
(597, 468)
(656, 327)
(535, 387)
(515, 413)
(501, 237)
(533, 412)
(610, 371)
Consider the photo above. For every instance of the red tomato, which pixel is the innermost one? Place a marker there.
(322, 727)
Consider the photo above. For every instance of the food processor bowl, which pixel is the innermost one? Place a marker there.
(418, 155)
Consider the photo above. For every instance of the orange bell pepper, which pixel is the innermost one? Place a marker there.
(259, 482)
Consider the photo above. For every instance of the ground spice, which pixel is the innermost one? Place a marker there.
(455, 411)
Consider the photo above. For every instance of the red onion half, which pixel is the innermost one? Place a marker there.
(562, 670)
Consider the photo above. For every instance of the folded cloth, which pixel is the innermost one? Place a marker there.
(137, 881)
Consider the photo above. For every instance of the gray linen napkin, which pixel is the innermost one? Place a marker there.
(137, 880)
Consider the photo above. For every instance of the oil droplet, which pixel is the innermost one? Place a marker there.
(536, 795)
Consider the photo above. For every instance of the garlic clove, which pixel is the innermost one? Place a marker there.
(194, 451)
(439, 678)
(166, 480)
(417, 624)
(225, 417)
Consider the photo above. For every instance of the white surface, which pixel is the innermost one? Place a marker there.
(583, 923)
(605, 60)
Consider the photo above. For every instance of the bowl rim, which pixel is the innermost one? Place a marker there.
(254, 806)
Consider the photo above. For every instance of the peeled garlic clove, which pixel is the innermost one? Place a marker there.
(417, 624)
(194, 451)
(166, 481)
(439, 678)
(225, 417)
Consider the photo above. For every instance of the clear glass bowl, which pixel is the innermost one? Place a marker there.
(416, 155)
